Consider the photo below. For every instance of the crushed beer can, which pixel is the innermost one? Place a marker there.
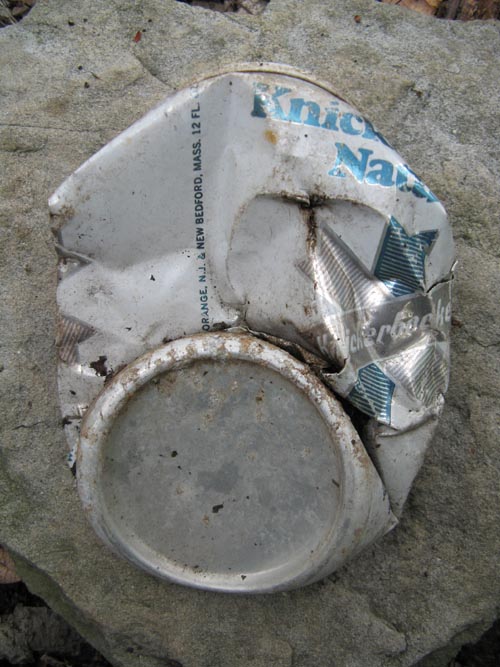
(242, 271)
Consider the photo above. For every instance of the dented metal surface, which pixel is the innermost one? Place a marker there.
(259, 200)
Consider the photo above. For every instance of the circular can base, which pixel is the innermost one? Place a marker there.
(222, 462)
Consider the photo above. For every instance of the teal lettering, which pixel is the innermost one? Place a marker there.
(371, 133)
(346, 124)
(402, 178)
(313, 111)
(332, 114)
(403, 175)
(265, 104)
(382, 175)
(357, 166)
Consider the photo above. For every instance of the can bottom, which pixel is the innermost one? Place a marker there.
(223, 470)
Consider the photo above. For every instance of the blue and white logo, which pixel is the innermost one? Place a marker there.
(401, 261)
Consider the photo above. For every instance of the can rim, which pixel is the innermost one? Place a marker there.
(266, 67)
(339, 540)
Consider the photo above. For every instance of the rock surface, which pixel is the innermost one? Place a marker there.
(31, 630)
(71, 78)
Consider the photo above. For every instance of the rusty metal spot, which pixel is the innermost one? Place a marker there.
(271, 136)
(60, 218)
(100, 366)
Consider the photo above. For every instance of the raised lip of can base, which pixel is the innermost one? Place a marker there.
(265, 68)
(356, 498)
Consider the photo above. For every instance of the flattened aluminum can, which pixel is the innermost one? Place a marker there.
(231, 263)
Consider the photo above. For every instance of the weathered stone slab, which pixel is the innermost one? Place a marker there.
(71, 78)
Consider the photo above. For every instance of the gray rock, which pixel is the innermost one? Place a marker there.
(31, 630)
(431, 87)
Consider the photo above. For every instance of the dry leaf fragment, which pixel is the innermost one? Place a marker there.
(7, 569)
(464, 10)
(422, 6)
